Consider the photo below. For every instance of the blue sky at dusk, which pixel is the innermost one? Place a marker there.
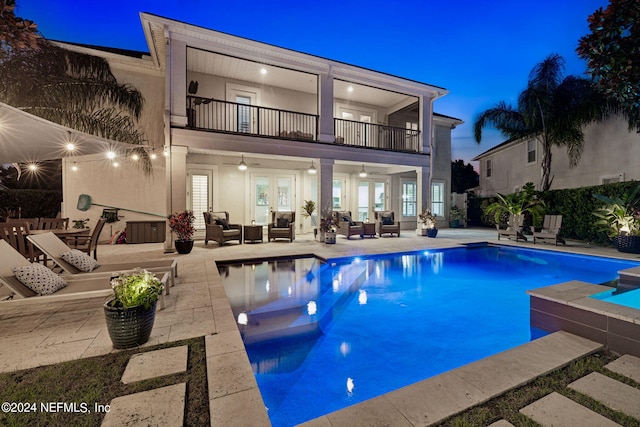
(481, 51)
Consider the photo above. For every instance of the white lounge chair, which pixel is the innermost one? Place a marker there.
(53, 248)
(77, 287)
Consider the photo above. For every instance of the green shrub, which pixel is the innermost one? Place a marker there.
(576, 205)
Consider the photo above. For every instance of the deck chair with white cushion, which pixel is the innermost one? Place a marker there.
(70, 288)
(54, 248)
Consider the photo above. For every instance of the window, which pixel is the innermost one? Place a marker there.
(531, 151)
(488, 168)
(437, 198)
(409, 198)
(337, 194)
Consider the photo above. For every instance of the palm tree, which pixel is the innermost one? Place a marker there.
(75, 90)
(520, 202)
(551, 110)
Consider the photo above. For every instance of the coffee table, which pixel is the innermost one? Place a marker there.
(369, 229)
(253, 233)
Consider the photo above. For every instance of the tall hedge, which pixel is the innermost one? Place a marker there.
(29, 203)
(576, 205)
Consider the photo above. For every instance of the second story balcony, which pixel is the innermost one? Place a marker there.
(214, 115)
(210, 114)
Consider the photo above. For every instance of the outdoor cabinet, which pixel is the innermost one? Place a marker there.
(146, 231)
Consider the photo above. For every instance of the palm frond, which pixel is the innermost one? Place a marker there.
(503, 117)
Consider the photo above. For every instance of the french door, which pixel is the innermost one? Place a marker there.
(372, 196)
(271, 192)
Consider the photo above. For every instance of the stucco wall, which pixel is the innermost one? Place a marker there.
(124, 187)
(609, 151)
(210, 86)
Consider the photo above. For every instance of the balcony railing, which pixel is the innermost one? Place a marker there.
(223, 116)
(369, 135)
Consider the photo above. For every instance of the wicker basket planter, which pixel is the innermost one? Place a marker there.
(129, 327)
(627, 244)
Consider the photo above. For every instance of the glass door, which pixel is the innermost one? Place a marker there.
(243, 108)
(371, 197)
(272, 192)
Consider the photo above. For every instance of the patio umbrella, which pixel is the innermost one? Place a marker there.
(27, 138)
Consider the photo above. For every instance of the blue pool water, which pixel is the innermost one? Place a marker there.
(321, 337)
(628, 299)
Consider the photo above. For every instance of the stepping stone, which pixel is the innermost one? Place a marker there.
(626, 365)
(616, 395)
(501, 423)
(159, 407)
(556, 410)
(157, 363)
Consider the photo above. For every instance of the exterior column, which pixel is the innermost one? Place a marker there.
(325, 206)
(176, 186)
(325, 108)
(426, 123)
(178, 81)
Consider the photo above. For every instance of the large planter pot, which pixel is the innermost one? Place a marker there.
(627, 244)
(454, 223)
(432, 232)
(329, 237)
(183, 246)
(129, 327)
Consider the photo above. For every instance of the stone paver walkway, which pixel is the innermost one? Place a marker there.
(158, 407)
(557, 410)
(157, 363)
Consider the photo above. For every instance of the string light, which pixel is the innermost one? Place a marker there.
(74, 167)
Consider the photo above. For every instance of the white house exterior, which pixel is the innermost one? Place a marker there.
(611, 154)
(214, 100)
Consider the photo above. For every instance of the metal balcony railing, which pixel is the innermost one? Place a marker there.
(369, 135)
(232, 117)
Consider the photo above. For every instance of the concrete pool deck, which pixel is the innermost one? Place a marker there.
(36, 334)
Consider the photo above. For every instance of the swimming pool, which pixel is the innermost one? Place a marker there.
(323, 336)
(628, 299)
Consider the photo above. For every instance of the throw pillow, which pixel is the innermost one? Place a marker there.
(282, 223)
(39, 278)
(348, 219)
(80, 260)
(223, 222)
(386, 220)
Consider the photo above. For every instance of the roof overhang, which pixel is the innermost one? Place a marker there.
(27, 138)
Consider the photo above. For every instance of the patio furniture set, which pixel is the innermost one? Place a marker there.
(550, 230)
(282, 226)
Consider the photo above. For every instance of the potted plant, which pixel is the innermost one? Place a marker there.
(181, 223)
(455, 215)
(428, 222)
(328, 228)
(620, 217)
(516, 204)
(308, 209)
(131, 312)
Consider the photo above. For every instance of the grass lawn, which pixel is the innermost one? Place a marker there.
(97, 380)
(507, 406)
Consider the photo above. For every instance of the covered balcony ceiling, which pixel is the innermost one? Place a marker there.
(205, 62)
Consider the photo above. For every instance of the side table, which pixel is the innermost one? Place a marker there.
(369, 229)
(252, 233)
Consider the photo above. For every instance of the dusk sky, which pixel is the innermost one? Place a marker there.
(481, 51)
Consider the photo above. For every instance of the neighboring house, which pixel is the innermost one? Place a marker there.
(611, 154)
(214, 100)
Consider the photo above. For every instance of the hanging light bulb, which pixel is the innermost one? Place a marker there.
(135, 157)
(363, 173)
(153, 155)
(242, 166)
(74, 167)
(312, 168)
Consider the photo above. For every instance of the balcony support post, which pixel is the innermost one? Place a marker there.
(326, 132)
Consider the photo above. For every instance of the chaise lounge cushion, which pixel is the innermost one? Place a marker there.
(39, 278)
(80, 260)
